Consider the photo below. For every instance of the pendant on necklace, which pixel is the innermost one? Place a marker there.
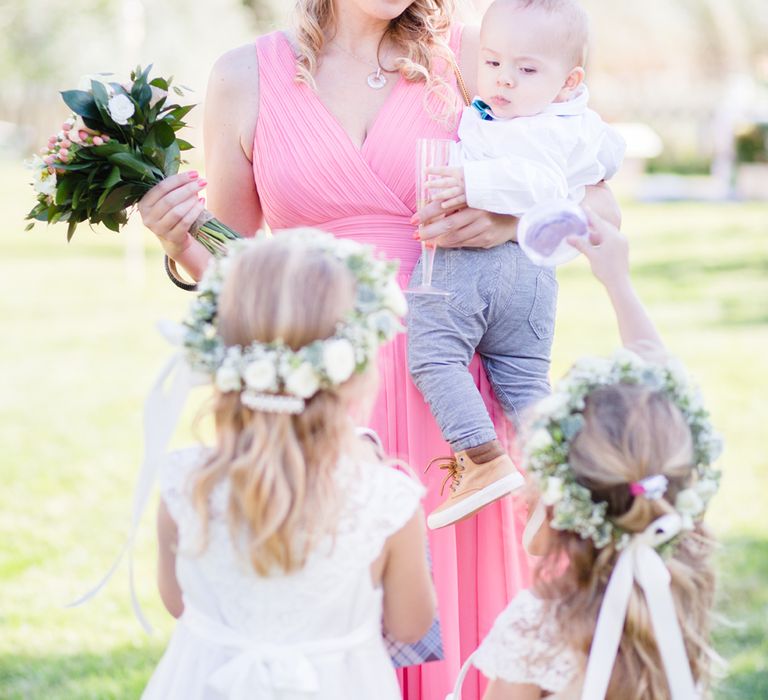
(377, 80)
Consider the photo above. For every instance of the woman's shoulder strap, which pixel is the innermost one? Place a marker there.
(276, 55)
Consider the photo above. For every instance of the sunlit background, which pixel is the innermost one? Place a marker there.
(686, 81)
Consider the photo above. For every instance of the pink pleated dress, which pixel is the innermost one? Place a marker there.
(308, 172)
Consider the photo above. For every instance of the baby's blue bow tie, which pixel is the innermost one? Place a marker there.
(483, 109)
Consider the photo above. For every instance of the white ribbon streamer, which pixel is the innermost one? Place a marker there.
(534, 524)
(641, 562)
(162, 410)
(267, 670)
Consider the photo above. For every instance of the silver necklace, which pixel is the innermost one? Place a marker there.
(376, 79)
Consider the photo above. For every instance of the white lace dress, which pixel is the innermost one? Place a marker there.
(314, 634)
(525, 646)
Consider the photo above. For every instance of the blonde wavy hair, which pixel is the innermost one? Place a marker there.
(631, 432)
(421, 32)
(280, 466)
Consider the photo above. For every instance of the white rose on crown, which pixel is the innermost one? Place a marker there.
(228, 379)
(261, 375)
(339, 360)
(554, 491)
(394, 299)
(302, 381)
(689, 504)
(540, 440)
(555, 406)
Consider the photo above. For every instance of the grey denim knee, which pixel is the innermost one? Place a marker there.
(501, 305)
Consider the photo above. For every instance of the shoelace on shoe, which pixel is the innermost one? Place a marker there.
(454, 471)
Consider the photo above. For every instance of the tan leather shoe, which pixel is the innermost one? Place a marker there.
(473, 486)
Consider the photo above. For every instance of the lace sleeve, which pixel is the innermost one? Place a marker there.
(523, 647)
(174, 476)
(388, 499)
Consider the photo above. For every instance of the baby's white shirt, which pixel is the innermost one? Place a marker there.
(512, 164)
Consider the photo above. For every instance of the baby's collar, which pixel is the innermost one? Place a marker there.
(570, 108)
(573, 107)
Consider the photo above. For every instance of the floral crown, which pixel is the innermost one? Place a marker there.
(273, 377)
(559, 418)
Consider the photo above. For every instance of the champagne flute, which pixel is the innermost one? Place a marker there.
(430, 153)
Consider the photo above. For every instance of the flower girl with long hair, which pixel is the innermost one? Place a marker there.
(285, 547)
(620, 463)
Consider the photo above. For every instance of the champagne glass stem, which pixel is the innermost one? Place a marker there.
(428, 262)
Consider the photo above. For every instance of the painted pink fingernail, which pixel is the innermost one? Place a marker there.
(193, 174)
(201, 200)
(202, 183)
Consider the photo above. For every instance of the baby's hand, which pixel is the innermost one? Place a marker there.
(450, 185)
(606, 248)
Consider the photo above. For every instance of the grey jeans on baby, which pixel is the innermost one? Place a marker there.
(501, 306)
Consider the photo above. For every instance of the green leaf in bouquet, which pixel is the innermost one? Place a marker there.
(107, 149)
(129, 165)
(118, 89)
(82, 187)
(81, 103)
(155, 154)
(100, 96)
(65, 187)
(30, 226)
(117, 200)
(160, 83)
(71, 229)
(114, 221)
(172, 159)
(162, 133)
(38, 212)
(184, 145)
(74, 167)
(113, 178)
(177, 113)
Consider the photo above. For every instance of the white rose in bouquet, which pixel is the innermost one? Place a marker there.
(121, 108)
(43, 180)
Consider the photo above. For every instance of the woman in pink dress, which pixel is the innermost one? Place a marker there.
(337, 151)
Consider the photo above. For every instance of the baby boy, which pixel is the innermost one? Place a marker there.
(528, 138)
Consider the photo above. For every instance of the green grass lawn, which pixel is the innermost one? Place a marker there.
(79, 353)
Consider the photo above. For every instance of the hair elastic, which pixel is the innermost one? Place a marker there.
(652, 487)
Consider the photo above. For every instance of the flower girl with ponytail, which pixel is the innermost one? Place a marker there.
(284, 547)
(620, 460)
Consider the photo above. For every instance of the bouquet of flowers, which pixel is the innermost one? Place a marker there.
(119, 143)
